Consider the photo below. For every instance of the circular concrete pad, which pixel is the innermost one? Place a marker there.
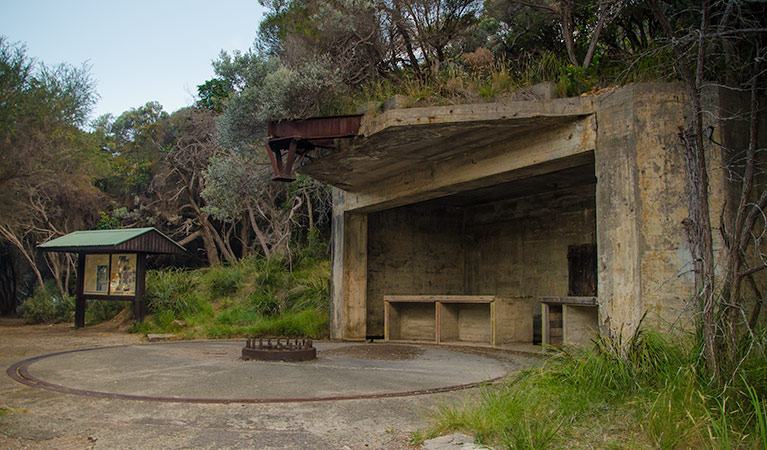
(212, 372)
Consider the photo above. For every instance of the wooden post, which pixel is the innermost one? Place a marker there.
(80, 298)
(139, 308)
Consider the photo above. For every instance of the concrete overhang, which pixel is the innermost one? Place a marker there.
(408, 155)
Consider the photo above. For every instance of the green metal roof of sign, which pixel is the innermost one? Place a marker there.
(140, 240)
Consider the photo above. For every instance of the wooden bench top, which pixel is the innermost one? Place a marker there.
(439, 298)
(582, 301)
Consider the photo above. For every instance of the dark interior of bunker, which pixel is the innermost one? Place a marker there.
(523, 239)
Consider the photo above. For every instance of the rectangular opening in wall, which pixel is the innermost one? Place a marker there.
(582, 270)
(555, 325)
(518, 239)
(412, 321)
(461, 322)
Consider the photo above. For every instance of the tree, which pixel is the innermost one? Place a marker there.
(48, 163)
(576, 24)
(437, 24)
(723, 43)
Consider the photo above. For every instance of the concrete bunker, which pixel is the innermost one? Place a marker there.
(476, 223)
(509, 241)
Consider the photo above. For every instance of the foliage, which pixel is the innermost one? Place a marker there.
(41, 114)
(647, 391)
(722, 44)
(253, 297)
(107, 222)
(47, 305)
(213, 94)
(97, 311)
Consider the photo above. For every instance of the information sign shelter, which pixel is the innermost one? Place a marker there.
(111, 264)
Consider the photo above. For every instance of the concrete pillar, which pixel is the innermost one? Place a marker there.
(617, 195)
(644, 262)
(337, 265)
(349, 272)
(355, 276)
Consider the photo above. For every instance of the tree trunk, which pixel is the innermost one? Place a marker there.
(259, 234)
(20, 246)
(567, 31)
(595, 36)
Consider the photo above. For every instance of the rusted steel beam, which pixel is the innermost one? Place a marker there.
(296, 138)
(316, 127)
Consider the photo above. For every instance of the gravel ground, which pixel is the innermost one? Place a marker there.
(35, 418)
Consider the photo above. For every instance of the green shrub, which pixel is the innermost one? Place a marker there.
(255, 296)
(264, 303)
(175, 291)
(222, 281)
(100, 311)
(47, 305)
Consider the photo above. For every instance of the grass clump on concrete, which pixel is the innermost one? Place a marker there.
(644, 393)
(5, 410)
(253, 297)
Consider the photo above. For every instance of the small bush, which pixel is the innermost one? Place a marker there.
(222, 281)
(100, 311)
(265, 304)
(175, 291)
(47, 305)
(255, 296)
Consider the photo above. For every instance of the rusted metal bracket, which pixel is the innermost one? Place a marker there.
(291, 140)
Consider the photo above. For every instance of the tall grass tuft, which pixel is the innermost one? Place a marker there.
(253, 297)
(646, 389)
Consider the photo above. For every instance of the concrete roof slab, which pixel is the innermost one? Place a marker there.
(406, 140)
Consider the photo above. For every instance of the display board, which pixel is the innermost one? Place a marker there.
(96, 274)
(110, 274)
(123, 275)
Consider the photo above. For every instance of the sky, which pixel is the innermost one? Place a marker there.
(139, 50)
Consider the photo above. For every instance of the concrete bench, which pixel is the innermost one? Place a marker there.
(568, 320)
(484, 319)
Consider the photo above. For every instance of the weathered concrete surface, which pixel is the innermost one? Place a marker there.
(412, 250)
(355, 259)
(417, 141)
(51, 420)
(633, 207)
(479, 164)
(213, 369)
(515, 247)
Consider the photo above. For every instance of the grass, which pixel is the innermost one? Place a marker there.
(253, 297)
(471, 79)
(644, 393)
(5, 410)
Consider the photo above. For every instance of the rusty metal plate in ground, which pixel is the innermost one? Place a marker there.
(282, 349)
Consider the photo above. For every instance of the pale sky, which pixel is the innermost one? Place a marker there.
(138, 50)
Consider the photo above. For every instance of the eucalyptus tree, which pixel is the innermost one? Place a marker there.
(48, 164)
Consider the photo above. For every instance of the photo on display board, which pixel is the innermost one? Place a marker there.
(123, 276)
(96, 280)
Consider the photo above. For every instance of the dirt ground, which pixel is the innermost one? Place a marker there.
(38, 419)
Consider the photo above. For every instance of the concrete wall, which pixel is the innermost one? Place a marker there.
(644, 258)
(412, 250)
(518, 247)
(514, 248)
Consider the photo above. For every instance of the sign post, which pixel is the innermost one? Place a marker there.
(111, 264)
